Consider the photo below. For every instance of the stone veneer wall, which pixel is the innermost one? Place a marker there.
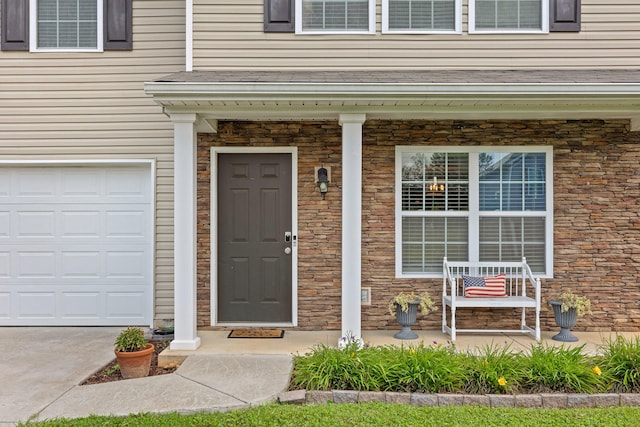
(596, 204)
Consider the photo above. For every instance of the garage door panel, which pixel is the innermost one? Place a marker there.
(36, 182)
(102, 264)
(76, 245)
(5, 224)
(81, 305)
(35, 223)
(129, 223)
(82, 265)
(118, 184)
(126, 223)
(5, 183)
(85, 183)
(122, 183)
(125, 304)
(126, 265)
(5, 265)
(35, 264)
(80, 223)
(36, 305)
(5, 306)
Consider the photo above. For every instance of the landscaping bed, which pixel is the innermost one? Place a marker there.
(437, 368)
(111, 371)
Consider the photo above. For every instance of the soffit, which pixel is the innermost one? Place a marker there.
(422, 94)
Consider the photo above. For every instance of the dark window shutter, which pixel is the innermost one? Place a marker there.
(15, 24)
(118, 34)
(564, 15)
(279, 16)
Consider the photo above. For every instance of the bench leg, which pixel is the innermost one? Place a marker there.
(453, 324)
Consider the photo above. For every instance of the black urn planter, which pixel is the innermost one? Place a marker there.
(406, 319)
(566, 320)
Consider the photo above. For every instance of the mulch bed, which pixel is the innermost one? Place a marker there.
(111, 372)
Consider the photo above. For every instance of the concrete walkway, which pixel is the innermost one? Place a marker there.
(41, 368)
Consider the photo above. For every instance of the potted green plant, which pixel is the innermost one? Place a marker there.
(133, 353)
(566, 310)
(404, 306)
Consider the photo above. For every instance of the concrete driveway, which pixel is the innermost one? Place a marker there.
(39, 365)
(42, 368)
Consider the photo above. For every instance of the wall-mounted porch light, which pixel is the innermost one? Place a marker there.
(323, 177)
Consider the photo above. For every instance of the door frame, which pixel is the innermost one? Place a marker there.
(213, 215)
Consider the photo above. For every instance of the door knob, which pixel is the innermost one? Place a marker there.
(287, 250)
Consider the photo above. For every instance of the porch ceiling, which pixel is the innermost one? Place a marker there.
(430, 95)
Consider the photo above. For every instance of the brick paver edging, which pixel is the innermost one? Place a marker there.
(542, 400)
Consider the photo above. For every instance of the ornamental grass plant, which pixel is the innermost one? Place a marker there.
(420, 368)
(564, 370)
(621, 361)
(494, 370)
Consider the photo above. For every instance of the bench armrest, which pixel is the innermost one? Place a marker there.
(529, 278)
(448, 280)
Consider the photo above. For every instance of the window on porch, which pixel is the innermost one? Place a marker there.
(478, 204)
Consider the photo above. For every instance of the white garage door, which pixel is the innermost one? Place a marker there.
(76, 245)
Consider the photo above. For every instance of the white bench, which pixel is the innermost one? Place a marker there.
(518, 279)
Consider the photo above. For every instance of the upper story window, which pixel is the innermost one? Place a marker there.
(421, 16)
(67, 24)
(508, 16)
(473, 204)
(335, 16)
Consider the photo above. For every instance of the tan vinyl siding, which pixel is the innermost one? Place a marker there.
(228, 35)
(69, 106)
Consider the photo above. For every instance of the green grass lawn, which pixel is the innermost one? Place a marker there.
(372, 414)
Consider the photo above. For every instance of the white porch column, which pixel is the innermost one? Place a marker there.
(184, 235)
(351, 221)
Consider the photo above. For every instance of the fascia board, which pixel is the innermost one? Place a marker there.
(365, 90)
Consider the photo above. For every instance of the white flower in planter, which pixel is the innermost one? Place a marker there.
(348, 340)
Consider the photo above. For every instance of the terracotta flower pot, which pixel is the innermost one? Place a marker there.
(135, 364)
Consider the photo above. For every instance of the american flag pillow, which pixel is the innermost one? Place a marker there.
(475, 287)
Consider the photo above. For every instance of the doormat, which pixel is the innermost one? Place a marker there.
(256, 333)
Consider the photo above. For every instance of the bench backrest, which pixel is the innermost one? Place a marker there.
(516, 274)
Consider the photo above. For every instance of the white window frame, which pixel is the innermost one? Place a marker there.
(370, 30)
(544, 4)
(474, 204)
(33, 31)
(457, 29)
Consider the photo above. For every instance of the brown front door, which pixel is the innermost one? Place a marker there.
(254, 252)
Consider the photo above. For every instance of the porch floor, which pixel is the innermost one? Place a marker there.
(300, 342)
